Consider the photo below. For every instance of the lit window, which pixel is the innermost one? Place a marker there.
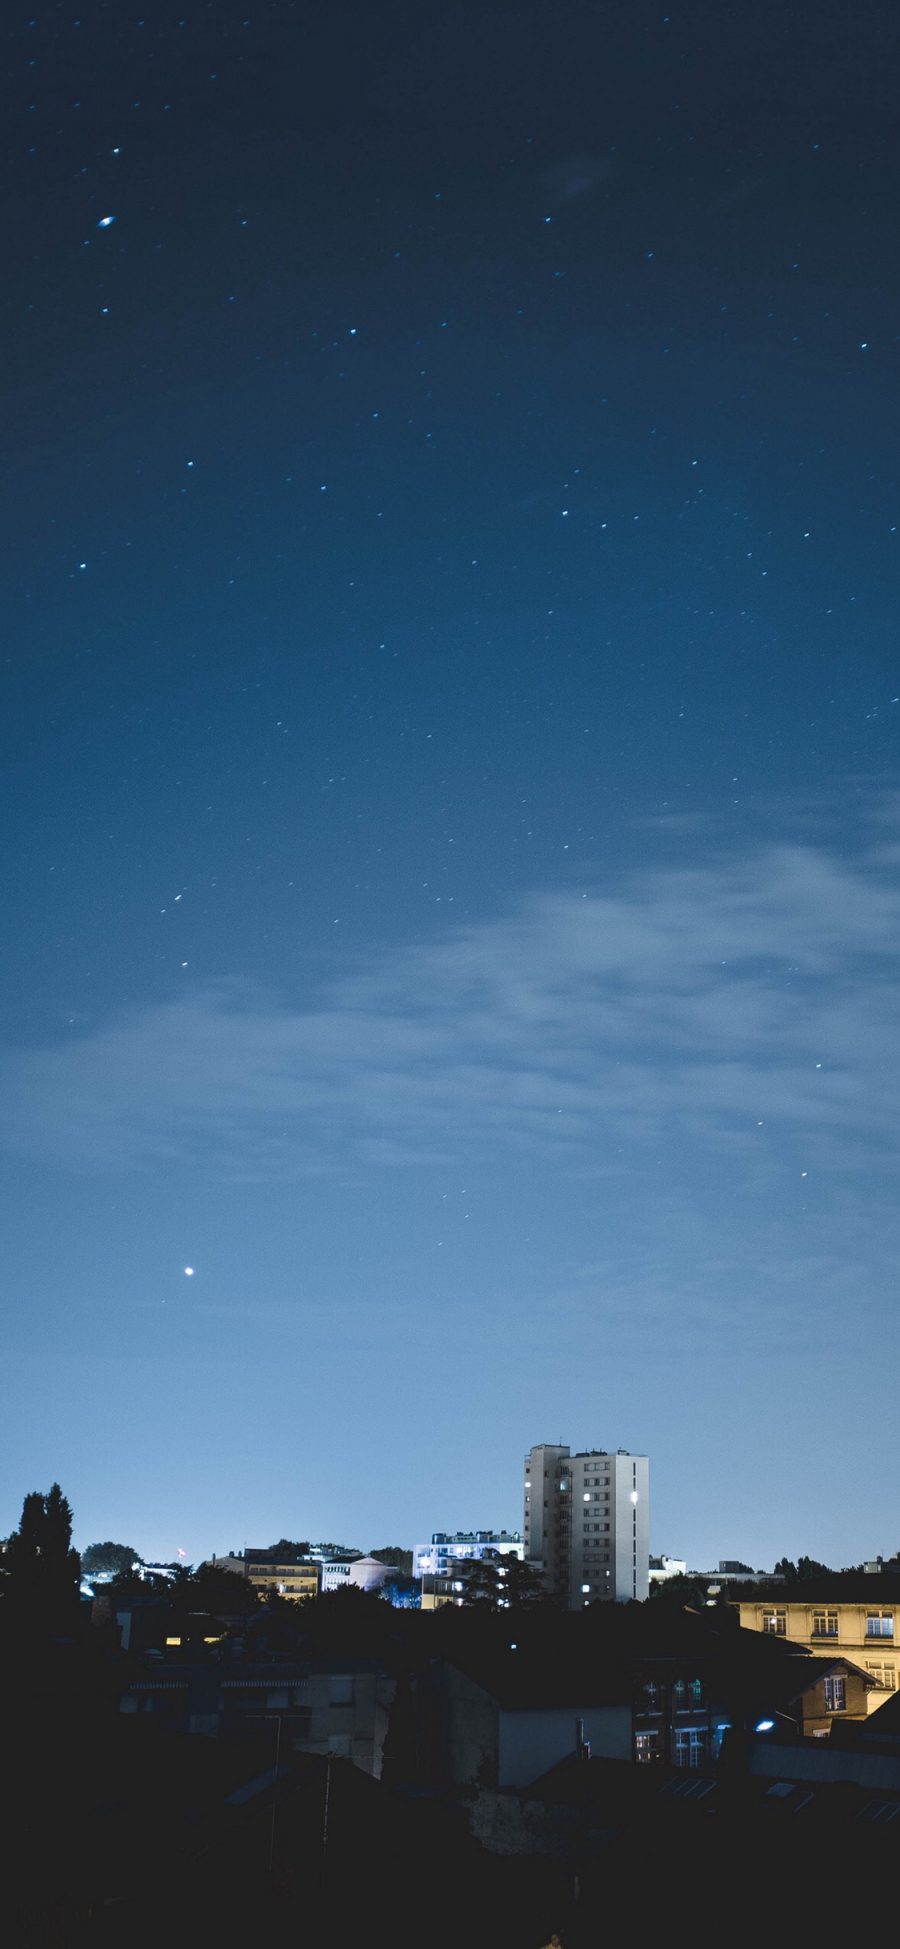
(835, 1694)
(825, 1624)
(775, 1622)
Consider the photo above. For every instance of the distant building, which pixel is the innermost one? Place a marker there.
(587, 1523)
(435, 1559)
(294, 1580)
(355, 1573)
(663, 1567)
(731, 1572)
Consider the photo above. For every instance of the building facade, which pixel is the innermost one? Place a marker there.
(355, 1573)
(587, 1523)
(864, 1631)
(435, 1559)
(294, 1580)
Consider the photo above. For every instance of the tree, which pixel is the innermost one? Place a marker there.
(399, 1559)
(400, 1591)
(108, 1560)
(523, 1585)
(223, 1593)
(43, 1570)
(807, 1567)
(497, 1582)
(286, 1551)
(681, 1592)
(785, 1568)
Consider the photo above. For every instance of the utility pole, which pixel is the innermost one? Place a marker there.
(325, 1819)
(275, 1794)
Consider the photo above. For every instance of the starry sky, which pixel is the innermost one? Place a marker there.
(450, 772)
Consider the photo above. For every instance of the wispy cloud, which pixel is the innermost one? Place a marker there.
(702, 1006)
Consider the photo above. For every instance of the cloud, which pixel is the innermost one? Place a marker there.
(723, 1009)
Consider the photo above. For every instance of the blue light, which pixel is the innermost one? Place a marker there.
(764, 1725)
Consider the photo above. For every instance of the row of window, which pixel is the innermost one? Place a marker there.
(688, 1748)
(825, 1624)
(685, 1692)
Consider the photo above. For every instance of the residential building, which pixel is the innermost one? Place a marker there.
(355, 1573)
(499, 1714)
(435, 1559)
(827, 1616)
(587, 1523)
(663, 1567)
(294, 1580)
(337, 1707)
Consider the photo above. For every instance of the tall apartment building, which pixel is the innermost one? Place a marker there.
(587, 1523)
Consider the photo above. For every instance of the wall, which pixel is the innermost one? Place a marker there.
(530, 1742)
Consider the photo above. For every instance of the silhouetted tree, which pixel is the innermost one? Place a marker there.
(499, 1582)
(808, 1567)
(43, 1570)
(107, 1559)
(401, 1591)
(681, 1592)
(399, 1559)
(785, 1568)
(221, 1592)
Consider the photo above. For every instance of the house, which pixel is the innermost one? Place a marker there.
(852, 1613)
(334, 1707)
(500, 1715)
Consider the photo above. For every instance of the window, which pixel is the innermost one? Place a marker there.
(690, 1746)
(880, 1624)
(825, 1624)
(885, 1676)
(775, 1622)
(646, 1746)
(836, 1694)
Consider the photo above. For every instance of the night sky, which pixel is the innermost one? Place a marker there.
(450, 765)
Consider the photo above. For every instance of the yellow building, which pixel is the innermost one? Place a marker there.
(294, 1580)
(863, 1631)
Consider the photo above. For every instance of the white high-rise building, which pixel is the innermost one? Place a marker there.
(587, 1523)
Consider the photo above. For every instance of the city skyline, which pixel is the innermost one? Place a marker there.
(450, 770)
